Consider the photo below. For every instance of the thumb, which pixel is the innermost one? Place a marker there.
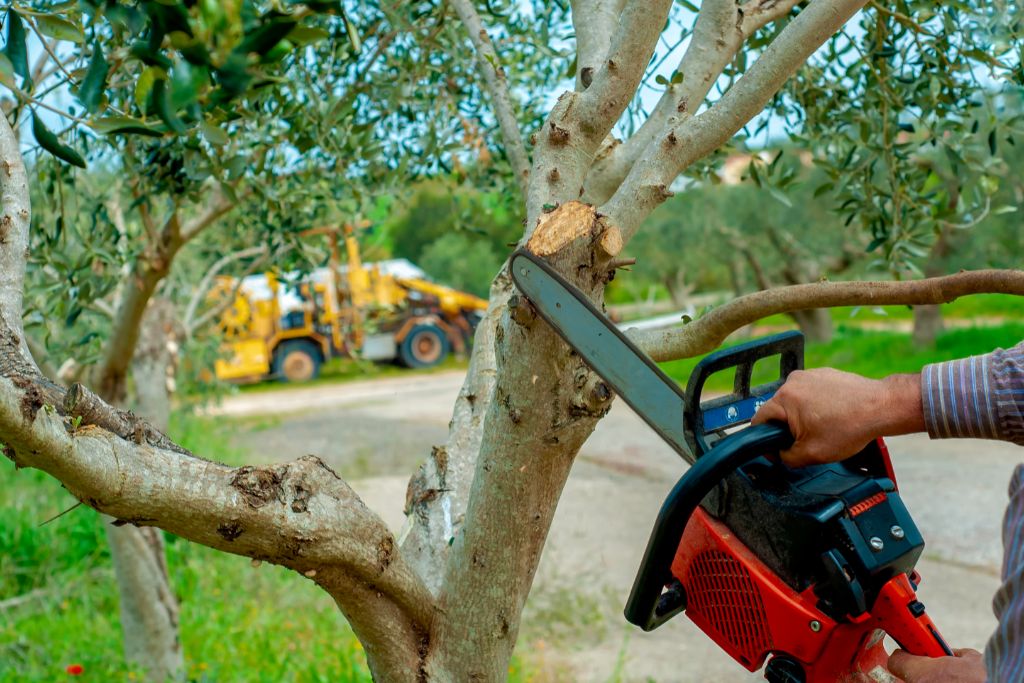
(772, 410)
(906, 666)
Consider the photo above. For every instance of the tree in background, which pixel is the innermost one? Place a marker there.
(445, 603)
(186, 111)
(454, 232)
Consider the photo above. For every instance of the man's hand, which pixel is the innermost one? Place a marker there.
(834, 414)
(966, 666)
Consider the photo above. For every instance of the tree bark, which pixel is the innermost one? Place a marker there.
(546, 403)
(149, 608)
(927, 325)
(815, 324)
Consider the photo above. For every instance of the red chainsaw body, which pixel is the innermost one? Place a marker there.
(752, 614)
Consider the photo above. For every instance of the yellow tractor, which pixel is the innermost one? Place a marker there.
(287, 327)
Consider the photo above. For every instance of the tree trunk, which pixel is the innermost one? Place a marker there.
(149, 608)
(815, 323)
(678, 289)
(927, 325)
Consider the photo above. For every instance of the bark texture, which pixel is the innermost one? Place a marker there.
(546, 403)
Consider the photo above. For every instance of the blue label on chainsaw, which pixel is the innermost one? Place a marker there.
(733, 414)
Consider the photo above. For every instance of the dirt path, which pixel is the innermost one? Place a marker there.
(375, 433)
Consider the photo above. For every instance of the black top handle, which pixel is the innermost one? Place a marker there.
(647, 606)
(704, 423)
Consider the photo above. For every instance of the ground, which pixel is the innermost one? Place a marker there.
(375, 433)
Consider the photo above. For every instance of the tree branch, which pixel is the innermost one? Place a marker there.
(718, 34)
(758, 13)
(594, 23)
(300, 515)
(707, 333)
(14, 227)
(497, 88)
(150, 269)
(580, 121)
(647, 186)
(190, 322)
(221, 205)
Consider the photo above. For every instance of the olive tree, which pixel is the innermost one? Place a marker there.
(185, 112)
(443, 601)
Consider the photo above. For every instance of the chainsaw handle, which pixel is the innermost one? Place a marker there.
(647, 607)
(712, 417)
(903, 617)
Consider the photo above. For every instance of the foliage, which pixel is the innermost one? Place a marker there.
(459, 261)
(455, 233)
(182, 105)
(906, 113)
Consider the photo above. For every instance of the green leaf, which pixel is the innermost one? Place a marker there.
(59, 29)
(16, 49)
(7, 72)
(780, 196)
(48, 141)
(689, 5)
(1003, 209)
(754, 175)
(266, 36)
(307, 35)
(144, 86)
(214, 134)
(90, 93)
(351, 32)
(660, 80)
(162, 105)
(124, 125)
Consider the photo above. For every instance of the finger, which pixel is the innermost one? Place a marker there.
(772, 410)
(904, 665)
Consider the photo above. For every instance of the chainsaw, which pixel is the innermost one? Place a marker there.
(806, 568)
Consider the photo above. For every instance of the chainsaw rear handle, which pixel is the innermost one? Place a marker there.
(647, 606)
(701, 420)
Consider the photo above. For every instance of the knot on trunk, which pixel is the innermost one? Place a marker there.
(521, 310)
(592, 398)
(260, 485)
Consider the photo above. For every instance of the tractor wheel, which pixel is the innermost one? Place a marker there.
(297, 360)
(424, 346)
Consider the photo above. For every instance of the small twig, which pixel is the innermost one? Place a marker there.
(61, 514)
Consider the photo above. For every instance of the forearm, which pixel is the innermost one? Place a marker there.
(901, 408)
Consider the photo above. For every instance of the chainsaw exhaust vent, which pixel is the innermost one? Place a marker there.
(721, 593)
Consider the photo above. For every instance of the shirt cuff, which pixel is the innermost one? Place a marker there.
(957, 399)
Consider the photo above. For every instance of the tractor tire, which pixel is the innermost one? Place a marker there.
(297, 360)
(425, 346)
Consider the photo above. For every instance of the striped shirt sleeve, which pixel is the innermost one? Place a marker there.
(983, 397)
(1004, 653)
(979, 397)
